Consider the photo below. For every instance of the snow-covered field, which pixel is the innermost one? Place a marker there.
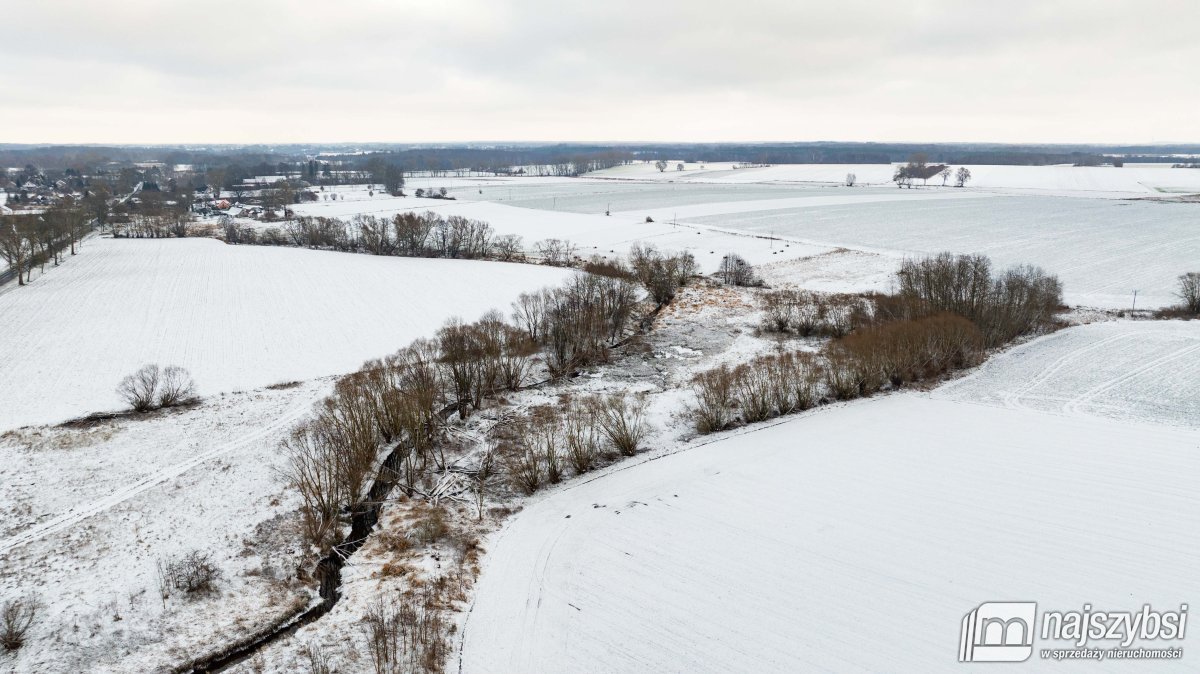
(1086, 181)
(1102, 250)
(853, 538)
(1143, 371)
(237, 317)
(87, 513)
(593, 234)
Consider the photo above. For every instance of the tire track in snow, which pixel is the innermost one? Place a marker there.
(1012, 399)
(78, 514)
(1072, 406)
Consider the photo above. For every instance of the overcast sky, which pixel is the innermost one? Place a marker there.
(248, 71)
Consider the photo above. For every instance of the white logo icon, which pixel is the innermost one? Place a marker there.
(998, 632)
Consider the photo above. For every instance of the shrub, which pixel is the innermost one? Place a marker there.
(792, 379)
(840, 379)
(16, 617)
(522, 462)
(714, 396)
(431, 527)
(408, 633)
(318, 659)
(193, 573)
(661, 274)
(901, 352)
(542, 439)
(807, 313)
(622, 420)
(581, 436)
(752, 391)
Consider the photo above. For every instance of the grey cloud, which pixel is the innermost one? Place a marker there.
(269, 70)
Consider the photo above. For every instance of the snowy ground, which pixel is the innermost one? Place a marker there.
(1102, 248)
(1132, 180)
(1060, 471)
(88, 512)
(1142, 372)
(853, 538)
(237, 317)
(592, 234)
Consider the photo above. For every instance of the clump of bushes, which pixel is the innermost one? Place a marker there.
(539, 449)
(193, 573)
(901, 352)
(152, 388)
(948, 311)
(408, 633)
(807, 314)
(661, 274)
(1018, 301)
(763, 388)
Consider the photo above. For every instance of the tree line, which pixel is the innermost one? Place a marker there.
(404, 402)
(31, 240)
(947, 312)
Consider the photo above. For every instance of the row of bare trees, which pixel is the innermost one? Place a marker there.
(31, 240)
(405, 235)
(405, 400)
(948, 311)
(175, 223)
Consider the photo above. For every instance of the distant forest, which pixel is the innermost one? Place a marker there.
(501, 157)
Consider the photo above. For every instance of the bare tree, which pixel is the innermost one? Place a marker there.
(736, 271)
(556, 252)
(175, 386)
(851, 179)
(312, 468)
(945, 175)
(661, 165)
(509, 248)
(1189, 291)
(962, 176)
(140, 389)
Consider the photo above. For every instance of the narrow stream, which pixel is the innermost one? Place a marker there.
(328, 572)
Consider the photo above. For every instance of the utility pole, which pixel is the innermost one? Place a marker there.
(1134, 301)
